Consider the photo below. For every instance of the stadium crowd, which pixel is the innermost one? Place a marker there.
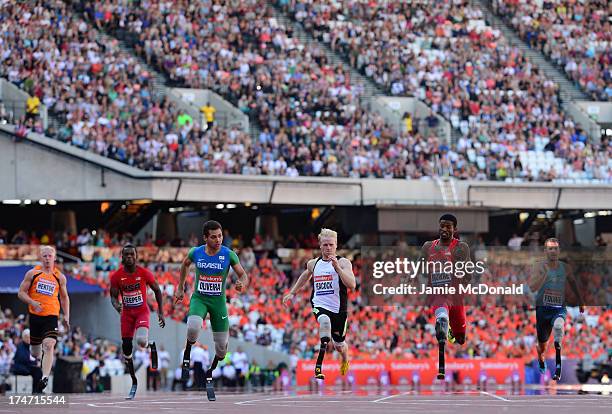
(312, 119)
(445, 55)
(577, 36)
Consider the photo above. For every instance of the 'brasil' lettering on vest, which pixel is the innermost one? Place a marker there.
(205, 265)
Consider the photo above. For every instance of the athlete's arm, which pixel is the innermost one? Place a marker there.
(423, 258)
(65, 301)
(462, 254)
(537, 281)
(243, 277)
(344, 268)
(180, 289)
(24, 287)
(571, 279)
(302, 280)
(114, 293)
(159, 299)
(114, 297)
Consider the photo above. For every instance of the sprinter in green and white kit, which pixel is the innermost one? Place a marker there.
(212, 261)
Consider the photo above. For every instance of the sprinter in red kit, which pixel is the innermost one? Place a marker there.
(131, 282)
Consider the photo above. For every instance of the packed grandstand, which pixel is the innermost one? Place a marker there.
(304, 73)
(505, 111)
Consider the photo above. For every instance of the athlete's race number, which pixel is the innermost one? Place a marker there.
(552, 298)
(44, 287)
(210, 285)
(323, 285)
(441, 278)
(132, 299)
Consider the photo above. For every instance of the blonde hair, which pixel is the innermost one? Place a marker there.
(47, 248)
(328, 233)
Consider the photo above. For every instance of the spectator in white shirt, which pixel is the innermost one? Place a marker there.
(164, 363)
(515, 242)
(240, 360)
(229, 375)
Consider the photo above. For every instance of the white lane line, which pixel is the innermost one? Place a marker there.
(269, 399)
(391, 396)
(495, 396)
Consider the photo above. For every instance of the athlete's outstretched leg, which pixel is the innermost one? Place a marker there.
(221, 340)
(194, 324)
(541, 360)
(36, 351)
(325, 335)
(558, 327)
(342, 349)
(457, 324)
(48, 345)
(142, 339)
(543, 329)
(127, 346)
(441, 335)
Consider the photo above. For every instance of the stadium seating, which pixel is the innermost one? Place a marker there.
(576, 36)
(310, 111)
(447, 56)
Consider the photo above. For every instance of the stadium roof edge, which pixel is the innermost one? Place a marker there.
(78, 175)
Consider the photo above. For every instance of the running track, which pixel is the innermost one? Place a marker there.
(472, 402)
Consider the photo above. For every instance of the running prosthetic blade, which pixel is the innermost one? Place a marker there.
(557, 375)
(210, 389)
(154, 360)
(318, 373)
(185, 370)
(132, 393)
(441, 362)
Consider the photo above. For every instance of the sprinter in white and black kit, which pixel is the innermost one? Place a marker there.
(331, 276)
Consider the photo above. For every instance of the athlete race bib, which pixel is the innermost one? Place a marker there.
(133, 299)
(323, 285)
(210, 285)
(44, 287)
(441, 278)
(552, 298)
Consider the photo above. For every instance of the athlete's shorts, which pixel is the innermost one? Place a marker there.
(456, 318)
(200, 306)
(545, 319)
(339, 322)
(132, 320)
(42, 327)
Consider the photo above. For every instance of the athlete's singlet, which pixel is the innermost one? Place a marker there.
(133, 288)
(328, 291)
(552, 292)
(211, 272)
(45, 290)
